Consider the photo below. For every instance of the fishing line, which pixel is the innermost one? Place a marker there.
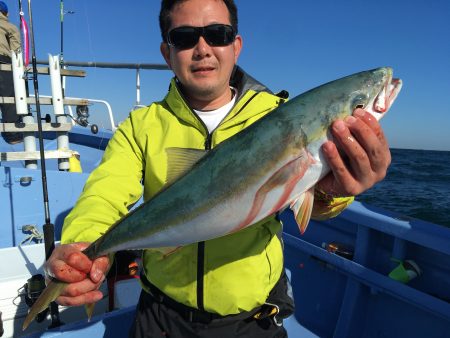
(91, 49)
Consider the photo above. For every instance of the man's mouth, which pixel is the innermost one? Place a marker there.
(202, 69)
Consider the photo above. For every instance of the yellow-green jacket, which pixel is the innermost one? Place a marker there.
(227, 275)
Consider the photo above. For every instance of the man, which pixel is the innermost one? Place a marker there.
(9, 40)
(232, 286)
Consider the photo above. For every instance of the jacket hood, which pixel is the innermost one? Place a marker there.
(243, 82)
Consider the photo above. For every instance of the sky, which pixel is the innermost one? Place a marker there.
(294, 45)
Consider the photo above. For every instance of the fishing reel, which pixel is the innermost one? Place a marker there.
(82, 118)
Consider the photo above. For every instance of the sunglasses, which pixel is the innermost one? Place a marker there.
(187, 37)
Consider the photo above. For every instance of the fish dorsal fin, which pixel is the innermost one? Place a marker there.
(180, 160)
(302, 208)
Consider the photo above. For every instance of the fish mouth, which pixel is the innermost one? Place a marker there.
(387, 95)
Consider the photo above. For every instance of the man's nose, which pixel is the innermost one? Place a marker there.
(202, 48)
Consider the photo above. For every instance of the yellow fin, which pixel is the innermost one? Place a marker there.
(89, 310)
(180, 160)
(302, 208)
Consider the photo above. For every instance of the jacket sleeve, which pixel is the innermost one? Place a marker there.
(111, 189)
(14, 38)
(327, 206)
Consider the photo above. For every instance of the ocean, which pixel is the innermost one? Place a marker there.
(417, 185)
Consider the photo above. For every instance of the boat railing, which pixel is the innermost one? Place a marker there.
(29, 125)
(137, 67)
(110, 65)
(89, 101)
(57, 71)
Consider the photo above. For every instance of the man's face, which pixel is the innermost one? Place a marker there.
(204, 71)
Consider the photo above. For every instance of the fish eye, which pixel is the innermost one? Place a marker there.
(359, 101)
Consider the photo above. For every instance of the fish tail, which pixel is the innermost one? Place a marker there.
(50, 293)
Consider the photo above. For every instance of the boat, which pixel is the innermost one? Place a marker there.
(367, 273)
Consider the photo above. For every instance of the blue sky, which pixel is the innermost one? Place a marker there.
(288, 44)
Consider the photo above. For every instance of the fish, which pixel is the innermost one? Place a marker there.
(269, 166)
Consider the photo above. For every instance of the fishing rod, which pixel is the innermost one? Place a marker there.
(61, 18)
(48, 227)
(61, 54)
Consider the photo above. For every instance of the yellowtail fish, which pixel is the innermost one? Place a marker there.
(271, 165)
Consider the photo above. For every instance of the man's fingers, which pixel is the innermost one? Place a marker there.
(68, 263)
(342, 177)
(80, 293)
(80, 288)
(371, 122)
(99, 268)
(79, 261)
(87, 298)
(371, 137)
(358, 167)
(358, 157)
(64, 272)
(72, 255)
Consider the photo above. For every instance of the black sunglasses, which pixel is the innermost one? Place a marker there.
(186, 37)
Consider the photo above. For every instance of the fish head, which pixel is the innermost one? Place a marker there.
(377, 93)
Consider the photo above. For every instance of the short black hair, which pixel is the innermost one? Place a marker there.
(167, 6)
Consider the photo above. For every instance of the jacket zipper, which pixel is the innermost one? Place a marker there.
(201, 253)
(200, 268)
(201, 245)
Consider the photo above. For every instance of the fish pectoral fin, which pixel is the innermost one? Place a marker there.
(166, 251)
(302, 208)
(180, 160)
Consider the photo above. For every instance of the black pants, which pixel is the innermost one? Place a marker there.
(9, 113)
(155, 318)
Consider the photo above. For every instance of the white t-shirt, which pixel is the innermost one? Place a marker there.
(212, 118)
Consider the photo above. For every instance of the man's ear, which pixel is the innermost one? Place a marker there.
(237, 44)
(165, 52)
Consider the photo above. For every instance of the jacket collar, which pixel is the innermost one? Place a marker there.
(243, 82)
(240, 80)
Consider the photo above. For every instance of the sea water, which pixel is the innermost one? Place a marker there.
(417, 185)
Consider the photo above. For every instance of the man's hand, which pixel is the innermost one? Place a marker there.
(67, 263)
(358, 157)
